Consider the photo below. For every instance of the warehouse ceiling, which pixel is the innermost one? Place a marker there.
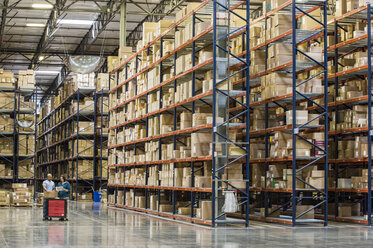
(38, 34)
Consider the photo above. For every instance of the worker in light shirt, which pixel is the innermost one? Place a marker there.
(48, 186)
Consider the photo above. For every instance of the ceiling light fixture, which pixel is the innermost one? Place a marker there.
(75, 22)
(39, 25)
(41, 58)
(42, 6)
(47, 72)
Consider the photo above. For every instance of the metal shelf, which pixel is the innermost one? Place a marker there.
(207, 97)
(167, 161)
(190, 189)
(165, 214)
(65, 140)
(158, 38)
(95, 137)
(169, 134)
(83, 91)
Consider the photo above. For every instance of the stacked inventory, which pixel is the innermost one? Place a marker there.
(350, 106)
(26, 124)
(21, 195)
(67, 136)
(161, 118)
(310, 115)
(7, 126)
(17, 127)
(102, 122)
(4, 198)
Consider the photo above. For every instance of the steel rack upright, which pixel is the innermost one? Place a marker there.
(26, 130)
(8, 156)
(100, 152)
(292, 196)
(223, 120)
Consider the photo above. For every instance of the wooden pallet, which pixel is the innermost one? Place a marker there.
(22, 206)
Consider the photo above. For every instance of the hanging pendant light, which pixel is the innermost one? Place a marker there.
(84, 64)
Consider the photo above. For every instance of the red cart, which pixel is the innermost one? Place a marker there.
(57, 208)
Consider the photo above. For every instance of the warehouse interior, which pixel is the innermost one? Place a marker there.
(163, 123)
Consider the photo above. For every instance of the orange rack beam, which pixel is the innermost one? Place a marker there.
(169, 215)
(178, 160)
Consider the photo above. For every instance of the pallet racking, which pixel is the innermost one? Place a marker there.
(341, 77)
(68, 140)
(217, 35)
(303, 68)
(18, 152)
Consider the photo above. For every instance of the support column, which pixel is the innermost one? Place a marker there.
(123, 22)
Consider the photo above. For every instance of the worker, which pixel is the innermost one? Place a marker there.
(65, 188)
(48, 186)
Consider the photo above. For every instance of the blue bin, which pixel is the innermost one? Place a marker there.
(97, 196)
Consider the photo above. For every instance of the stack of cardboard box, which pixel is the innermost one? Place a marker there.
(26, 78)
(6, 123)
(21, 195)
(83, 81)
(102, 81)
(26, 169)
(6, 100)
(4, 198)
(7, 78)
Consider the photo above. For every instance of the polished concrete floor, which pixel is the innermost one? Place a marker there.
(97, 226)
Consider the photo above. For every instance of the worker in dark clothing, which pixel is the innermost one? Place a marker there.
(64, 193)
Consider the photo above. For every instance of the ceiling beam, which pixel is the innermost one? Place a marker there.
(4, 14)
(53, 53)
(82, 10)
(64, 37)
(112, 7)
(12, 62)
(55, 43)
(49, 30)
(160, 8)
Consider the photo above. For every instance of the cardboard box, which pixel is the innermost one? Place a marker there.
(340, 7)
(301, 117)
(53, 194)
(302, 208)
(318, 173)
(165, 208)
(203, 182)
(206, 209)
(344, 211)
(344, 183)
(184, 210)
(270, 214)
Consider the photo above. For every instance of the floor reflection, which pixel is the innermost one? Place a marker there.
(94, 225)
(56, 235)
